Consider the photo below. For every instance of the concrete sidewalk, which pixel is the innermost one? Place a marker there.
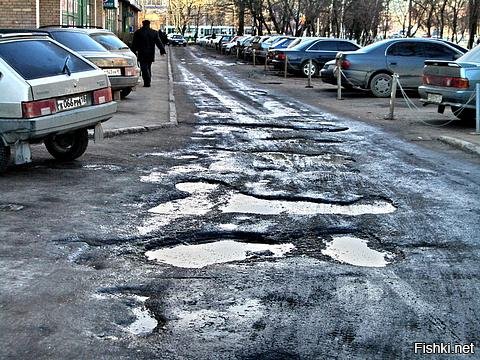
(146, 108)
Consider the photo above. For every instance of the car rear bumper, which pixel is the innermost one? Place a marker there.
(122, 82)
(449, 97)
(12, 130)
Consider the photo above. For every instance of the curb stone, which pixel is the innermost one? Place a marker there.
(171, 97)
(460, 144)
(131, 130)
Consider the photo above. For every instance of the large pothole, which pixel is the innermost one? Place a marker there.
(218, 252)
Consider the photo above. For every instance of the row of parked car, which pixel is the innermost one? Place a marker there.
(444, 73)
(55, 84)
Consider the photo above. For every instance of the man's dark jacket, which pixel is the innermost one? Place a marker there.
(144, 41)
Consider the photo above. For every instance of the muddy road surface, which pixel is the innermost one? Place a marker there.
(260, 228)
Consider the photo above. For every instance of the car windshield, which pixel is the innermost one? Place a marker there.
(471, 56)
(110, 41)
(77, 41)
(50, 59)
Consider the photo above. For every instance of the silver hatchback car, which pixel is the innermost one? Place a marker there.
(48, 93)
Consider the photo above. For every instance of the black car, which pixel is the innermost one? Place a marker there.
(319, 50)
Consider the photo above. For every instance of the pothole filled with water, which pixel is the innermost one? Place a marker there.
(219, 252)
(11, 207)
(144, 324)
(355, 251)
(246, 204)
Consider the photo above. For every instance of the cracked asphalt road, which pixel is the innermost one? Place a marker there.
(100, 258)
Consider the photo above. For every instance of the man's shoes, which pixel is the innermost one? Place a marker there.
(146, 85)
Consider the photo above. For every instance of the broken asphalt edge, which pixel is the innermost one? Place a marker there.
(460, 144)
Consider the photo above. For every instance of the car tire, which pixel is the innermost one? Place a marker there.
(69, 146)
(4, 156)
(125, 92)
(305, 68)
(464, 114)
(381, 85)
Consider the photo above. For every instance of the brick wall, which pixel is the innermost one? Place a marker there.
(49, 12)
(17, 14)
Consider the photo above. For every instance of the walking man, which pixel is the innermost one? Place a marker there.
(144, 41)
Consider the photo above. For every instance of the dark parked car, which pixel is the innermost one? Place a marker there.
(48, 93)
(279, 45)
(452, 83)
(319, 50)
(372, 67)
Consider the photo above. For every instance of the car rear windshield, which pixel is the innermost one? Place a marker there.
(77, 41)
(50, 59)
(109, 41)
(471, 56)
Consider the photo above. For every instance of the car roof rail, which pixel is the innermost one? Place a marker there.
(71, 26)
(23, 32)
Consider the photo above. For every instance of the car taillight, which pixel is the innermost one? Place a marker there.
(102, 96)
(33, 109)
(345, 65)
(280, 56)
(447, 81)
(131, 71)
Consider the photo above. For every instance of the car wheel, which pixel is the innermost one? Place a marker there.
(306, 68)
(124, 92)
(464, 114)
(381, 85)
(4, 156)
(69, 146)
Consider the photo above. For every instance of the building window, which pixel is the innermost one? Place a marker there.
(77, 12)
(111, 19)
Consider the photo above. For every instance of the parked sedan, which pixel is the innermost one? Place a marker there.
(318, 50)
(452, 83)
(53, 99)
(122, 70)
(112, 43)
(372, 67)
(176, 40)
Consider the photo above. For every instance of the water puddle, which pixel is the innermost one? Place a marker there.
(106, 167)
(240, 203)
(11, 207)
(219, 252)
(355, 251)
(144, 324)
(199, 204)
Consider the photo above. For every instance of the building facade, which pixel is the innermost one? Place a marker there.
(120, 16)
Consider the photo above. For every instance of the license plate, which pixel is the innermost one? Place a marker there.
(72, 102)
(434, 98)
(113, 72)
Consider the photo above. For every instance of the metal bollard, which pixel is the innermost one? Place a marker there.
(338, 70)
(286, 65)
(477, 88)
(253, 53)
(238, 52)
(309, 83)
(392, 97)
(265, 65)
